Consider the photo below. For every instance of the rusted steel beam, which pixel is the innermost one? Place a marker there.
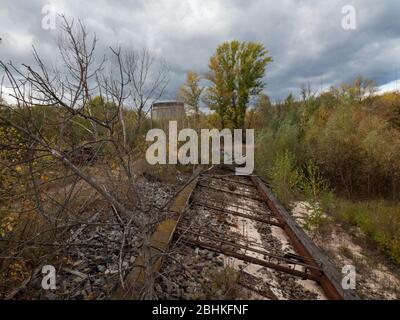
(238, 214)
(300, 258)
(330, 279)
(249, 208)
(159, 244)
(270, 256)
(231, 192)
(251, 185)
(232, 187)
(243, 257)
(213, 234)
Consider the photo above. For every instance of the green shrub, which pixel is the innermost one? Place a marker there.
(315, 190)
(379, 220)
(284, 177)
(342, 140)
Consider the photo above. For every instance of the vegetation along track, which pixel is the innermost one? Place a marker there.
(240, 222)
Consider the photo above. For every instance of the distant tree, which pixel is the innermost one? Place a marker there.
(149, 78)
(190, 93)
(236, 73)
(328, 99)
(289, 101)
(1, 88)
(305, 91)
(359, 90)
(262, 110)
(263, 104)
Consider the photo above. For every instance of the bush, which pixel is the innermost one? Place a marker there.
(380, 220)
(284, 177)
(343, 139)
(316, 192)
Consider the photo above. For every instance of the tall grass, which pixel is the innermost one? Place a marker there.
(378, 219)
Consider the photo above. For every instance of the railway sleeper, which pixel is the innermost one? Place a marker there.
(228, 243)
(275, 266)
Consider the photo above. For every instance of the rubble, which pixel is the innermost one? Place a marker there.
(192, 268)
(91, 270)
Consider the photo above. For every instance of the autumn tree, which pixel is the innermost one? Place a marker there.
(190, 93)
(236, 72)
(360, 89)
(261, 113)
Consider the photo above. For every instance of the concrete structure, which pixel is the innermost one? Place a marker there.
(167, 111)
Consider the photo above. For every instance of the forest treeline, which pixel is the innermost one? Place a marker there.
(340, 150)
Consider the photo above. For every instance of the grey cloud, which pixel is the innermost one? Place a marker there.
(304, 37)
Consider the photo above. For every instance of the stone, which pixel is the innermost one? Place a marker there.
(101, 268)
(51, 296)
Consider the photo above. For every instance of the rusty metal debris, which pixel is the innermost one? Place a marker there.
(159, 243)
(229, 202)
(238, 214)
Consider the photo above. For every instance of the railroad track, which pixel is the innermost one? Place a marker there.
(239, 220)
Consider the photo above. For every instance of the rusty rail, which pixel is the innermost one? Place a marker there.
(330, 279)
(247, 258)
(313, 264)
(238, 214)
(159, 243)
(324, 273)
(280, 259)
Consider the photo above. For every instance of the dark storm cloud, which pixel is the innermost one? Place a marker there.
(305, 37)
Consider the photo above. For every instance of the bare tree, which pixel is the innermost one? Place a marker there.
(148, 81)
(85, 98)
(306, 91)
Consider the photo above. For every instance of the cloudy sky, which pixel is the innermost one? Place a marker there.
(305, 37)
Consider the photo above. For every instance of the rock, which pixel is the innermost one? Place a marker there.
(51, 296)
(158, 288)
(100, 258)
(77, 263)
(77, 273)
(101, 268)
(99, 282)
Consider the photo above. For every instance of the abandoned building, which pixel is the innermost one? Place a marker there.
(165, 111)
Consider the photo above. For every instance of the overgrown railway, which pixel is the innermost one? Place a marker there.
(239, 221)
